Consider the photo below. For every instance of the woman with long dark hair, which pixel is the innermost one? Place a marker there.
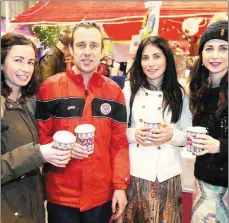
(209, 105)
(22, 198)
(154, 93)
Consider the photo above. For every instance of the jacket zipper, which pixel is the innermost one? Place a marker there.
(86, 92)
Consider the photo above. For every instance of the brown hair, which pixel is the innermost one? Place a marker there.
(7, 42)
(87, 25)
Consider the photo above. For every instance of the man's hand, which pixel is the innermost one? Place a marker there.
(79, 152)
(119, 203)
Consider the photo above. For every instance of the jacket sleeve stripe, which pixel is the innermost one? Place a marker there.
(104, 99)
(110, 109)
(62, 108)
(73, 108)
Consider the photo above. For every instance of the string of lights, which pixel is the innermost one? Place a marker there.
(188, 15)
(36, 10)
(114, 20)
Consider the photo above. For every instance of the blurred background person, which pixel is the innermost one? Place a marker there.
(105, 66)
(194, 46)
(209, 105)
(55, 60)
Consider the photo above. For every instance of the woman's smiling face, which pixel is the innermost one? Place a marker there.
(215, 56)
(153, 62)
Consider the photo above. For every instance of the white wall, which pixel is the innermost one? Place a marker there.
(15, 7)
(120, 52)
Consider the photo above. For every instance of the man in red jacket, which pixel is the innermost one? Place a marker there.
(92, 186)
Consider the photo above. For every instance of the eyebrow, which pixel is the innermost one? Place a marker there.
(23, 58)
(207, 45)
(79, 42)
(84, 42)
(153, 54)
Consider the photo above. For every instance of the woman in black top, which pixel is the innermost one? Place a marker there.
(209, 105)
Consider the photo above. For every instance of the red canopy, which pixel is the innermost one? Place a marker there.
(121, 19)
(71, 12)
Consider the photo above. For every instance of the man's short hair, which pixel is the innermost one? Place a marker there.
(87, 25)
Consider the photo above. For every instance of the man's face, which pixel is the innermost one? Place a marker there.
(87, 49)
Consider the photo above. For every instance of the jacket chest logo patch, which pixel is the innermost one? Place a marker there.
(105, 108)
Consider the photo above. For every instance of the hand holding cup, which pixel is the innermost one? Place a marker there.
(85, 141)
(58, 158)
(160, 135)
(79, 152)
(60, 153)
(141, 135)
(207, 144)
(194, 135)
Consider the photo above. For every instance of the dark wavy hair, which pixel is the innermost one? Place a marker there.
(7, 42)
(172, 90)
(199, 85)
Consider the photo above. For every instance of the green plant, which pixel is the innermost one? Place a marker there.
(47, 35)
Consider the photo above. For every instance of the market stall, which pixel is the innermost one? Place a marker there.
(121, 20)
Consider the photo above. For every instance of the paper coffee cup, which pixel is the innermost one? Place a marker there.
(85, 136)
(191, 134)
(63, 140)
(153, 124)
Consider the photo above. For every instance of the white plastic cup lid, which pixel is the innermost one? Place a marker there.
(64, 137)
(84, 128)
(151, 121)
(197, 129)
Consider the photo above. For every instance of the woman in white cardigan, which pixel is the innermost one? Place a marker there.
(153, 92)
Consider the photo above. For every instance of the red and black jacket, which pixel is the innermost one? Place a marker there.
(63, 102)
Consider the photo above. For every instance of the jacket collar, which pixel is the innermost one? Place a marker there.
(95, 80)
(151, 92)
(11, 104)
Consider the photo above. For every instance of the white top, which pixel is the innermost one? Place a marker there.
(150, 162)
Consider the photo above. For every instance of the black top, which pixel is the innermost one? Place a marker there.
(213, 168)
